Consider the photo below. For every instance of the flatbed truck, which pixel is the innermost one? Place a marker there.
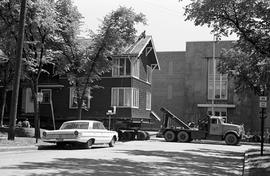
(210, 128)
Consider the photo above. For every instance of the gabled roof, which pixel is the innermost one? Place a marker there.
(138, 47)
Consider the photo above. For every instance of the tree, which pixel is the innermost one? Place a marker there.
(86, 60)
(8, 38)
(248, 60)
(42, 23)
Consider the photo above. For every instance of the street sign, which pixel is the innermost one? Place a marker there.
(263, 104)
(263, 98)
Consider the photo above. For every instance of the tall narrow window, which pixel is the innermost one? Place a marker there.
(170, 71)
(217, 83)
(125, 97)
(136, 68)
(148, 100)
(47, 96)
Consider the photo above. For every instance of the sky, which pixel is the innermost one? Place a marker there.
(165, 21)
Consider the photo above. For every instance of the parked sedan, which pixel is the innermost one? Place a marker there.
(85, 132)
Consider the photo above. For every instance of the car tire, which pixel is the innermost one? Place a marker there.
(88, 144)
(183, 136)
(231, 139)
(112, 143)
(169, 136)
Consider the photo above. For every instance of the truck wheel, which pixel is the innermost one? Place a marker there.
(231, 139)
(169, 136)
(128, 136)
(141, 135)
(183, 136)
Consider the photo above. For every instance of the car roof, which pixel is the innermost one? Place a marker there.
(90, 121)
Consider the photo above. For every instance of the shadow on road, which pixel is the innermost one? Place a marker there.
(144, 163)
(68, 147)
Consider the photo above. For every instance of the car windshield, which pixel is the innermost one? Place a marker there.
(75, 125)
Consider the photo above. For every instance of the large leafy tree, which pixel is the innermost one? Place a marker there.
(248, 60)
(86, 60)
(41, 30)
(8, 38)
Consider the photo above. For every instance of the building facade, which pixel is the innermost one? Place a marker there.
(191, 87)
(127, 88)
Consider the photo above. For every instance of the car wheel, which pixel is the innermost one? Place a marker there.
(88, 144)
(183, 136)
(231, 139)
(112, 143)
(169, 136)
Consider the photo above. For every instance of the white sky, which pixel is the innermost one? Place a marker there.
(165, 20)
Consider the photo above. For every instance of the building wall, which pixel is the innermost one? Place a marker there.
(100, 102)
(187, 79)
(168, 83)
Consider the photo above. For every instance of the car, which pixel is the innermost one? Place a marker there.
(83, 132)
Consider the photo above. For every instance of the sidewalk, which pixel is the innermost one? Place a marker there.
(20, 143)
(255, 164)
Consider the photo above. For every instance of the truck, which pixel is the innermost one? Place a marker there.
(209, 128)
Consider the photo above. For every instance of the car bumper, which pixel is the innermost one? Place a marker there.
(77, 140)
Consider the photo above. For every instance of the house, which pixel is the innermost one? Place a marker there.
(185, 86)
(128, 88)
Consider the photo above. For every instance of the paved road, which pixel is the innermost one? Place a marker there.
(142, 158)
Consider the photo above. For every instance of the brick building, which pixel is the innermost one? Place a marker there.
(184, 84)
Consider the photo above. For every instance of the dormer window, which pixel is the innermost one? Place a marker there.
(126, 67)
(121, 67)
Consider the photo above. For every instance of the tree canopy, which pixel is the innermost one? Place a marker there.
(85, 60)
(248, 60)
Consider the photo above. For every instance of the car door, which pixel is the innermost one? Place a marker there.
(106, 134)
(215, 126)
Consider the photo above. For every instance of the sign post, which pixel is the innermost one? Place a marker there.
(110, 113)
(263, 106)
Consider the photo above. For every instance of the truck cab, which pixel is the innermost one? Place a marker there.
(231, 133)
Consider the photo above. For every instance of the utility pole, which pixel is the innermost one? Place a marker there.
(16, 83)
(263, 106)
(214, 74)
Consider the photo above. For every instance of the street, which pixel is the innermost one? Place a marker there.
(153, 157)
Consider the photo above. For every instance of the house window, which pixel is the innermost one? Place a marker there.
(47, 96)
(217, 111)
(136, 68)
(73, 100)
(149, 74)
(121, 67)
(125, 67)
(125, 97)
(217, 83)
(148, 100)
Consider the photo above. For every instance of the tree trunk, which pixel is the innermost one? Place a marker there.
(79, 108)
(36, 110)
(4, 97)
